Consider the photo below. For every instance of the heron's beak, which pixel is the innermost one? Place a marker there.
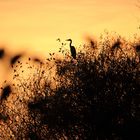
(67, 39)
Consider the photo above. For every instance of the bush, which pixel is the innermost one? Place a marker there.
(95, 96)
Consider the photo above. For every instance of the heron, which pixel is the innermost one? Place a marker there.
(72, 49)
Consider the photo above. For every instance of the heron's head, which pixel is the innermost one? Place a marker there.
(69, 40)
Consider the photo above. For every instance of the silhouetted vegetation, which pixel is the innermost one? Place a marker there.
(5, 92)
(14, 59)
(2, 53)
(94, 97)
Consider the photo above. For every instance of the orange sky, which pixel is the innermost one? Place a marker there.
(35, 24)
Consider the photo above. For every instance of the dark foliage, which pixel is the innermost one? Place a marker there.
(6, 92)
(95, 97)
(14, 59)
(2, 53)
(138, 48)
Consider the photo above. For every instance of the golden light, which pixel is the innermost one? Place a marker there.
(34, 26)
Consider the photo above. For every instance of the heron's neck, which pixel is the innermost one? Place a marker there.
(70, 42)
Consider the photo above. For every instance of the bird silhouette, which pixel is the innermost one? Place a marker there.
(72, 49)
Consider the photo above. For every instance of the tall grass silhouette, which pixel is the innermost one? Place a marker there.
(94, 97)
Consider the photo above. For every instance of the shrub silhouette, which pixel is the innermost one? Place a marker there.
(94, 97)
(14, 59)
(5, 92)
(2, 53)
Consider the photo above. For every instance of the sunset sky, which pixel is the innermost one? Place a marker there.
(36, 24)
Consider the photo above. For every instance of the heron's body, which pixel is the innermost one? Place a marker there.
(72, 49)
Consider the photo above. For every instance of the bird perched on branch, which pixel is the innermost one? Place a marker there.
(72, 49)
